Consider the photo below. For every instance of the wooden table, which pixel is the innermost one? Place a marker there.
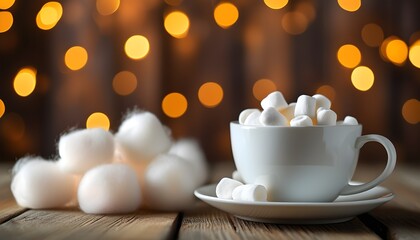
(398, 219)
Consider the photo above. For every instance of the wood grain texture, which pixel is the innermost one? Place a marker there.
(8, 206)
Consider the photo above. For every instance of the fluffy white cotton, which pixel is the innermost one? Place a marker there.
(289, 111)
(109, 189)
(38, 183)
(301, 121)
(225, 188)
(190, 150)
(169, 183)
(83, 149)
(322, 101)
(349, 120)
(305, 105)
(326, 117)
(245, 113)
(272, 117)
(275, 100)
(141, 136)
(250, 193)
(253, 119)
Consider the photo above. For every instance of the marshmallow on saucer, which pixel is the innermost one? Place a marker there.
(305, 105)
(225, 188)
(275, 100)
(237, 176)
(301, 121)
(253, 118)
(245, 113)
(349, 120)
(271, 117)
(322, 101)
(83, 149)
(326, 117)
(250, 192)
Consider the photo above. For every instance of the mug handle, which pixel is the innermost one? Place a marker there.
(392, 159)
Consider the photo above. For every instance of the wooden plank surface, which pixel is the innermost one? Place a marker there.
(8, 206)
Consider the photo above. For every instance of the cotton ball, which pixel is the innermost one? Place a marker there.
(83, 149)
(322, 101)
(275, 100)
(225, 187)
(169, 183)
(289, 111)
(38, 183)
(271, 117)
(190, 150)
(245, 113)
(109, 189)
(301, 121)
(253, 119)
(349, 120)
(141, 136)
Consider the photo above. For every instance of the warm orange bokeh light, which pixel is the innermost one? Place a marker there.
(76, 58)
(349, 56)
(294, 22)
(372, 35)
(2, 108)
(362, 78)
(210, 94)
(6, 4)
(98, 120)
(327, 91)
(396, 51)
(107, 7)
(174, 105)
(49, 15)
(414, 54)
(6, 21)
(262, 88)
(124, 83)
(137, 47)
(226, 14)
(25, 81)
(411, 111)
(177, 24)
(350, 5)
(276, 4)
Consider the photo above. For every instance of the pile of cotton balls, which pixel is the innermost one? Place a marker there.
(307, 111)
(102, 173)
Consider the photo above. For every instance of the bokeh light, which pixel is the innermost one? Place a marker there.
(327, 91)
(350, 5)
(262, 88)
(414, 54)
(13, 126)
(294, 22)
(396, 51)
(25, 81)
(372, 35)
(137, 47)
(362, 78)
(49, 15)
(411, 111)
(174, 105)
(107, 7)
(76, 58)
(276, 4)
(2, 108)
(6, 21)
(226, 14)
(349, 56)
(124, 83)
(177, 24)
(6, 4)
(98, 120)
(210, 94)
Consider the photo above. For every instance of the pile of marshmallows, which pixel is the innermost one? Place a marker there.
(307, 111)
(102, 173)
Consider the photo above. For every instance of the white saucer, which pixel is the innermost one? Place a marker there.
(344, 208)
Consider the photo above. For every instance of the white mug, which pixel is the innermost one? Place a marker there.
(304, 164)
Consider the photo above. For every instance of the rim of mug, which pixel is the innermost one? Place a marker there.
(314, 126)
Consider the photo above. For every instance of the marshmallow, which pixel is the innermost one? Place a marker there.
(253, 119)
(237, 176)
(141, 136)
(109, 189)
(305, 105)
(189, 150)
(321, 108)
(271, 117)
(275, 100)
(322, 101)
(349, 120)
(245, 113)
(225, 188)
(169, 183)
(289, 111)
(301, 121)
(250, 192)
(38, 183)
(83, 149)
(326, 117)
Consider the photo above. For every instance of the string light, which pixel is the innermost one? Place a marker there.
(262, 88)
(2, 108)
(396, 51)
(349, 56)
(25, 81)
(226, 14)
(362, 78)
(210, 94)
(137, 47)
(107, 7)
(372, 35)
(49, 15)
(350, 5)
(177, 24)
(124, 83)
(414, 54)
(174, 105)
(6, 21)
(276, 4)
(76, 58)
(411, 111)
(98, 120)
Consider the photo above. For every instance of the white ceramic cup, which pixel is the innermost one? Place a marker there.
(304, 164)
